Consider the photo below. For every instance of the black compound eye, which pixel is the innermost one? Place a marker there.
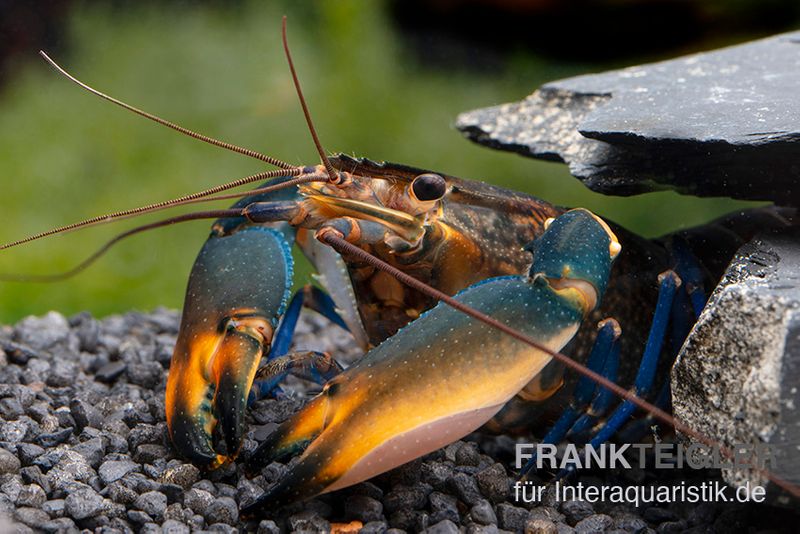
(428, 187)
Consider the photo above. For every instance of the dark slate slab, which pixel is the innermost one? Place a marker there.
(722, 123)
(736, 376)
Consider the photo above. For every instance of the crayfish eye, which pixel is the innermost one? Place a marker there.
(428, 187)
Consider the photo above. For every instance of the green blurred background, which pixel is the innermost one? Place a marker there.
(379, 83)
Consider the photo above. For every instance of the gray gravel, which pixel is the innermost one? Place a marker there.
(83, 446)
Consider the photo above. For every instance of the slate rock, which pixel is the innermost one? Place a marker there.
(149, 453)
(540, 526)
(43, 333)
(720, 123)
(92, 450)
(184, 475)
(436, 474)
(139, 517)
(198, 500)
(736, 376)
(443, 507)
(374, 527)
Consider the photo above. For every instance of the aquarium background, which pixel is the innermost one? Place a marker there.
(384, 80)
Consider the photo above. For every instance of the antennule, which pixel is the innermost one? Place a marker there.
(210, 140)
(57, 277)
(101, 219)
(325, 161)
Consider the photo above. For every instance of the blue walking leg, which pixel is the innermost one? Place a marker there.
(322, 303)
(285, 332)
(634, 432)
(669, 283)
(310, 365)
(603, 399)
(607, 336)
(690, 273)
(311, 297)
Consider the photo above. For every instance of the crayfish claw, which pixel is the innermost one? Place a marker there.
(226, 328)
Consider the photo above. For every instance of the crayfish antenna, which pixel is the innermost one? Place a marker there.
(82, 266)
(186, 199)
(332, 175)
(195, 135)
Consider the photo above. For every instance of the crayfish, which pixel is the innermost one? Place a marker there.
(389, 241)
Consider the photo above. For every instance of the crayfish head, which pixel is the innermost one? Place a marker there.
(575, 253)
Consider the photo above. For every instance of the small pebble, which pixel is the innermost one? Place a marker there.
(83, 503)
(153, 503)
(442, 527)
(9, 463)
(267, 526)
(113, 470)
(465, 488)
(222, 510)
(593, 524)
(493, 483)
(363, 508)
(540, 526)
(31, 495)
(483, 513)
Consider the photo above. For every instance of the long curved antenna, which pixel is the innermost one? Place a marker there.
(36, 278)
(56, 277)
(342, 246)
(102, 219)
(210, 140)
(325, 161)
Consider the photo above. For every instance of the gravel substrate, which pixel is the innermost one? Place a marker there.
(83, 446)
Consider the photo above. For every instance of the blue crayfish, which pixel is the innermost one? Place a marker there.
(430, 374)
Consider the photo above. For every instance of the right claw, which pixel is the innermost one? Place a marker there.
(238, 288)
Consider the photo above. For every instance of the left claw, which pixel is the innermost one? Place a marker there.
(238, 287)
